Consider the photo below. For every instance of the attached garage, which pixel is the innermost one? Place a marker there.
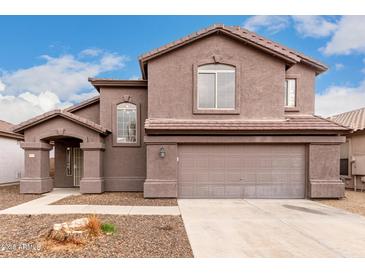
(241, 171)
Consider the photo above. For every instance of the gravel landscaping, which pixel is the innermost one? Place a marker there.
(115, 198)
(136, 236)
(353, 202)
(10, 196)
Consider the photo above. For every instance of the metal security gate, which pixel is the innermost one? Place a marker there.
(77, 165)
(241, 171)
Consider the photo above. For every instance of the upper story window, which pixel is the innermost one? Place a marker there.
(126, 123)
(216, 86)
(290, 92)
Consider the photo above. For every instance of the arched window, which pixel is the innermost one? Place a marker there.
(216, 86)
(126, 123)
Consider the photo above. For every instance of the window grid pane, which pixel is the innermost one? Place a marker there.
(290, 92)
(126, 123)
(225, 90)
(206, 90)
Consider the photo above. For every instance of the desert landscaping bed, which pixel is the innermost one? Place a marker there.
(115, 198)
(135, 236)
(353, 202)
(10, 196)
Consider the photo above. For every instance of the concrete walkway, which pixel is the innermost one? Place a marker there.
(42, 206)
(271, 228)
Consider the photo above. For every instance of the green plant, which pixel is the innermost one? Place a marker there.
(108, 228)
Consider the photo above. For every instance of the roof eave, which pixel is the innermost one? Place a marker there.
(12, 135)
(98, 83)
(83, 104)
(23, 126)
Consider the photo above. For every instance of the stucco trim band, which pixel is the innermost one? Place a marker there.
(36, 185)
(155, 188)
(35, 146)
(92, 185)
(326, 189)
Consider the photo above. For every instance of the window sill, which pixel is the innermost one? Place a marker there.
(216, 111)
(126, 144)
(291, 109)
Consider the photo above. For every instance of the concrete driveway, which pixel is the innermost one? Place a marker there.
(271, 228)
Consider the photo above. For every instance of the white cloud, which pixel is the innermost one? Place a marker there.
(349, 36)
(91, 52)
(305, 25)
(2, 86)
(339, 66)
(338, 99)
(134, 77)
(313, 26)
(15, 109)
(272, 23)
(58, 82)
(64, 75)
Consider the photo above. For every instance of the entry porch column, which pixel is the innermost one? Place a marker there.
(36, 177)
(92, 180)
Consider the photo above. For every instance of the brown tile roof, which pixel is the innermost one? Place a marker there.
(62, 113)
(353, 119)
(6, 131)
(83, 104)
(252, 38)
(290, 123)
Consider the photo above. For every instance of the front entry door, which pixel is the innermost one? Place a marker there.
(77, 158)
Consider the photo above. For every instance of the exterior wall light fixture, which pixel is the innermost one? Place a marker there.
(162, 152)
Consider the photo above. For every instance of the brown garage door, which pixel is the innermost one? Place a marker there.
(241, 171)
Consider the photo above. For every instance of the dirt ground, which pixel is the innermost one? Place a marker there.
(10, 196)
(115, 198)
(353, 202)
(136, 236)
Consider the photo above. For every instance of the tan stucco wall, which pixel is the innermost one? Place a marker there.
(170, 80)
(324, 171)
(91, 112)
(305, 88)
(124, 167)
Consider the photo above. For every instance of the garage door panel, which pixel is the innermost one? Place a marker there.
(241, 171)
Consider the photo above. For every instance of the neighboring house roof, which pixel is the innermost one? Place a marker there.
(354, 119)
(62, 113)
(292, 123)
(289, 55)
(6, 131)
(103, 82)
(83, 104)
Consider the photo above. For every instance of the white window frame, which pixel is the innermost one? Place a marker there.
(215, 72)
(118, 139)
(286, 93)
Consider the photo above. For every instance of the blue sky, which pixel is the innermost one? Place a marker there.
(45, 60)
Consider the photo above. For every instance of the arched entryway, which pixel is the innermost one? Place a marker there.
(79, 147)
(68, 161)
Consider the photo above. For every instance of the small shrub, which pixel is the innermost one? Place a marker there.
(94, 225)
(108, 228)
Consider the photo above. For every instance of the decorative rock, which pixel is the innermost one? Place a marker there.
(75, 231)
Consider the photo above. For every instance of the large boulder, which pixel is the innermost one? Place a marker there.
(76, 231)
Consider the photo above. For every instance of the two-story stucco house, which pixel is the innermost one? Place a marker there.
(221, 113)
